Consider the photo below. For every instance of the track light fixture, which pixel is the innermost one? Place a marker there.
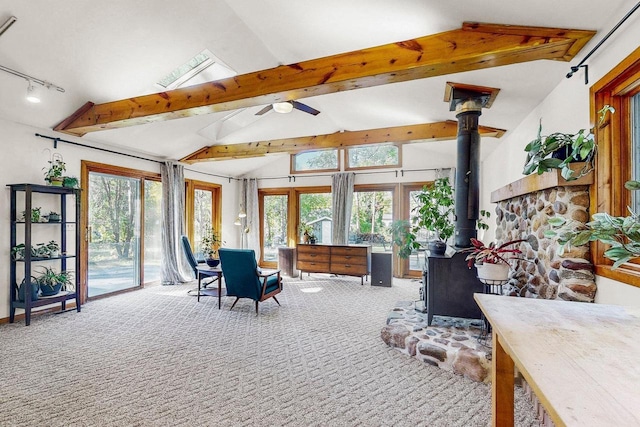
(32, 83)
(32, 93)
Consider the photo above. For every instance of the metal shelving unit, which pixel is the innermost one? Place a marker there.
(64, 194)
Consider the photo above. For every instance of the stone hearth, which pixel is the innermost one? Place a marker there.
(449, 343)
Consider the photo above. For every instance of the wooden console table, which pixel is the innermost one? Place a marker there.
(351, 260)
(580, 359)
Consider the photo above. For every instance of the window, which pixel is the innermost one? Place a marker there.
(315, 211)
(373, 156)
(371, 217)
(635, 153)
(314, 161)
(274, 210)
(203, 201)
(618, 154)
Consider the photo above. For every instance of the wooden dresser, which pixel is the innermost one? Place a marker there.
(350, 260)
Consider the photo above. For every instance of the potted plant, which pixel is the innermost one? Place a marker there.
(210, 244)
(34, 215)
(622, 234)
(40, 250)
(54, 249)
(53, 174)
(17, 252)
(481, 223)
(53, 217)
(434, 213)
(52, 282)
(492, 261)
(306, 230)
(559, 150)
(70, 182)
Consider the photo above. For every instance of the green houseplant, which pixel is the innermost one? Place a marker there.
(210, 244)
(559, 150)
(52, 282)
(53, 217)
(622, 234)
(434, 213)
(53, 173)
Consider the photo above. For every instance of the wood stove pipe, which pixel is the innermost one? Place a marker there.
(468, 107)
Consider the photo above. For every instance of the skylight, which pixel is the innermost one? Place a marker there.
(204, 67)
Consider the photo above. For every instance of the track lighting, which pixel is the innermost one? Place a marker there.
(33, 94)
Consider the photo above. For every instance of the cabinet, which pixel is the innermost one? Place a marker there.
(350, 260)
(24, 230)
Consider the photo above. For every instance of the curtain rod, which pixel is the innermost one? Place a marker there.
(582, 64)
(230, 178)
(56, 140)
(396, 171)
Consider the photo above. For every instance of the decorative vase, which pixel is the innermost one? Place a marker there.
(437, 247)
(48, 291)
(54, 218)
(56, 181)
(489, 273)
(212, 262)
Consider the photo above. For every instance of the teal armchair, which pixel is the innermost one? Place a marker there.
(244, 279)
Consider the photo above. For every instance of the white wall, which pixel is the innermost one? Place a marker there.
(565, 109)
(23, 158)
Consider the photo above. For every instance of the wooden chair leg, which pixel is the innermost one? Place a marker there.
(274, 297)
(234, 303)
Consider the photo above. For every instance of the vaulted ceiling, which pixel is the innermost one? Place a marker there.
(376, 70)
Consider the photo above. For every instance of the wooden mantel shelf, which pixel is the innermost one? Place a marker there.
(535, 182)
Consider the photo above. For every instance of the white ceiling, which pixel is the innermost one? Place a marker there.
(103, 52)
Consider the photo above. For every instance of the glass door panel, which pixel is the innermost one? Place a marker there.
(114, 233)
(417, 258)
(152, 230)
(371, 217)
(315, 211)
(274, 225)
(202, 218)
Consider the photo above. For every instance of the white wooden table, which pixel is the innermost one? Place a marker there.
(582, 360)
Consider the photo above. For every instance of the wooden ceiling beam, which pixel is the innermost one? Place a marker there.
(474, 46)
(438, 131)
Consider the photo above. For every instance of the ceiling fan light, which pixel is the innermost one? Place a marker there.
(283, 107)
(32, 93)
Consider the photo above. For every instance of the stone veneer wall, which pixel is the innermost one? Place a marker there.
(547, 275)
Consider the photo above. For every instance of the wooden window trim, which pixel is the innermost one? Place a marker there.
(613, 163)
(262, 192)
(216, 199)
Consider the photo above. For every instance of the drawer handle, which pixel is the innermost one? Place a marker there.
(348, 257)
(347, 265)
(313, 255)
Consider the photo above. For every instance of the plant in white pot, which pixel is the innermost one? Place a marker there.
(492, 261)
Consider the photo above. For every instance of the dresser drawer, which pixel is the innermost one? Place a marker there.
(349, 250)
(319, 257)
(313, 249)
(318, 267)
(349, 269)
(349, 259)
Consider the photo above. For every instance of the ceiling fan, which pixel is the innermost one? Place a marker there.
(287, 107)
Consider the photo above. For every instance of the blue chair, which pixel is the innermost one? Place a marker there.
(244, 279)
(193, 262)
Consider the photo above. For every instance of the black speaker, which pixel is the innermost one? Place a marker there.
(381, 269)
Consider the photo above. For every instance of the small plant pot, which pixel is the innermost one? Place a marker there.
(48, 291)
(212, 262)
(56, 181)
(54, 218)
(437, 247)
(493, 272)
(34, 291)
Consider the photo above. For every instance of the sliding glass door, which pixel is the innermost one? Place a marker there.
(114, 234)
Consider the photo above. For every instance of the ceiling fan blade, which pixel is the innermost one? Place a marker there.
(265, 110)
(304, 107)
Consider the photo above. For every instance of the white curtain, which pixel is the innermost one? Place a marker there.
(342, 196)
(174, 263)
(250, 232)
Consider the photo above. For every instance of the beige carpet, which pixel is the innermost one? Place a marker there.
(156, 357)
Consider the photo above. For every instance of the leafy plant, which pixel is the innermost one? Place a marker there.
(70, 182)
(210, 243)
(492, 254)
(582, 145)
(621, 233)
(55, 169)
(35, 214)
(53, 247)
(434, 213)
(50, 278)
(17, 252)
(481, 224)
